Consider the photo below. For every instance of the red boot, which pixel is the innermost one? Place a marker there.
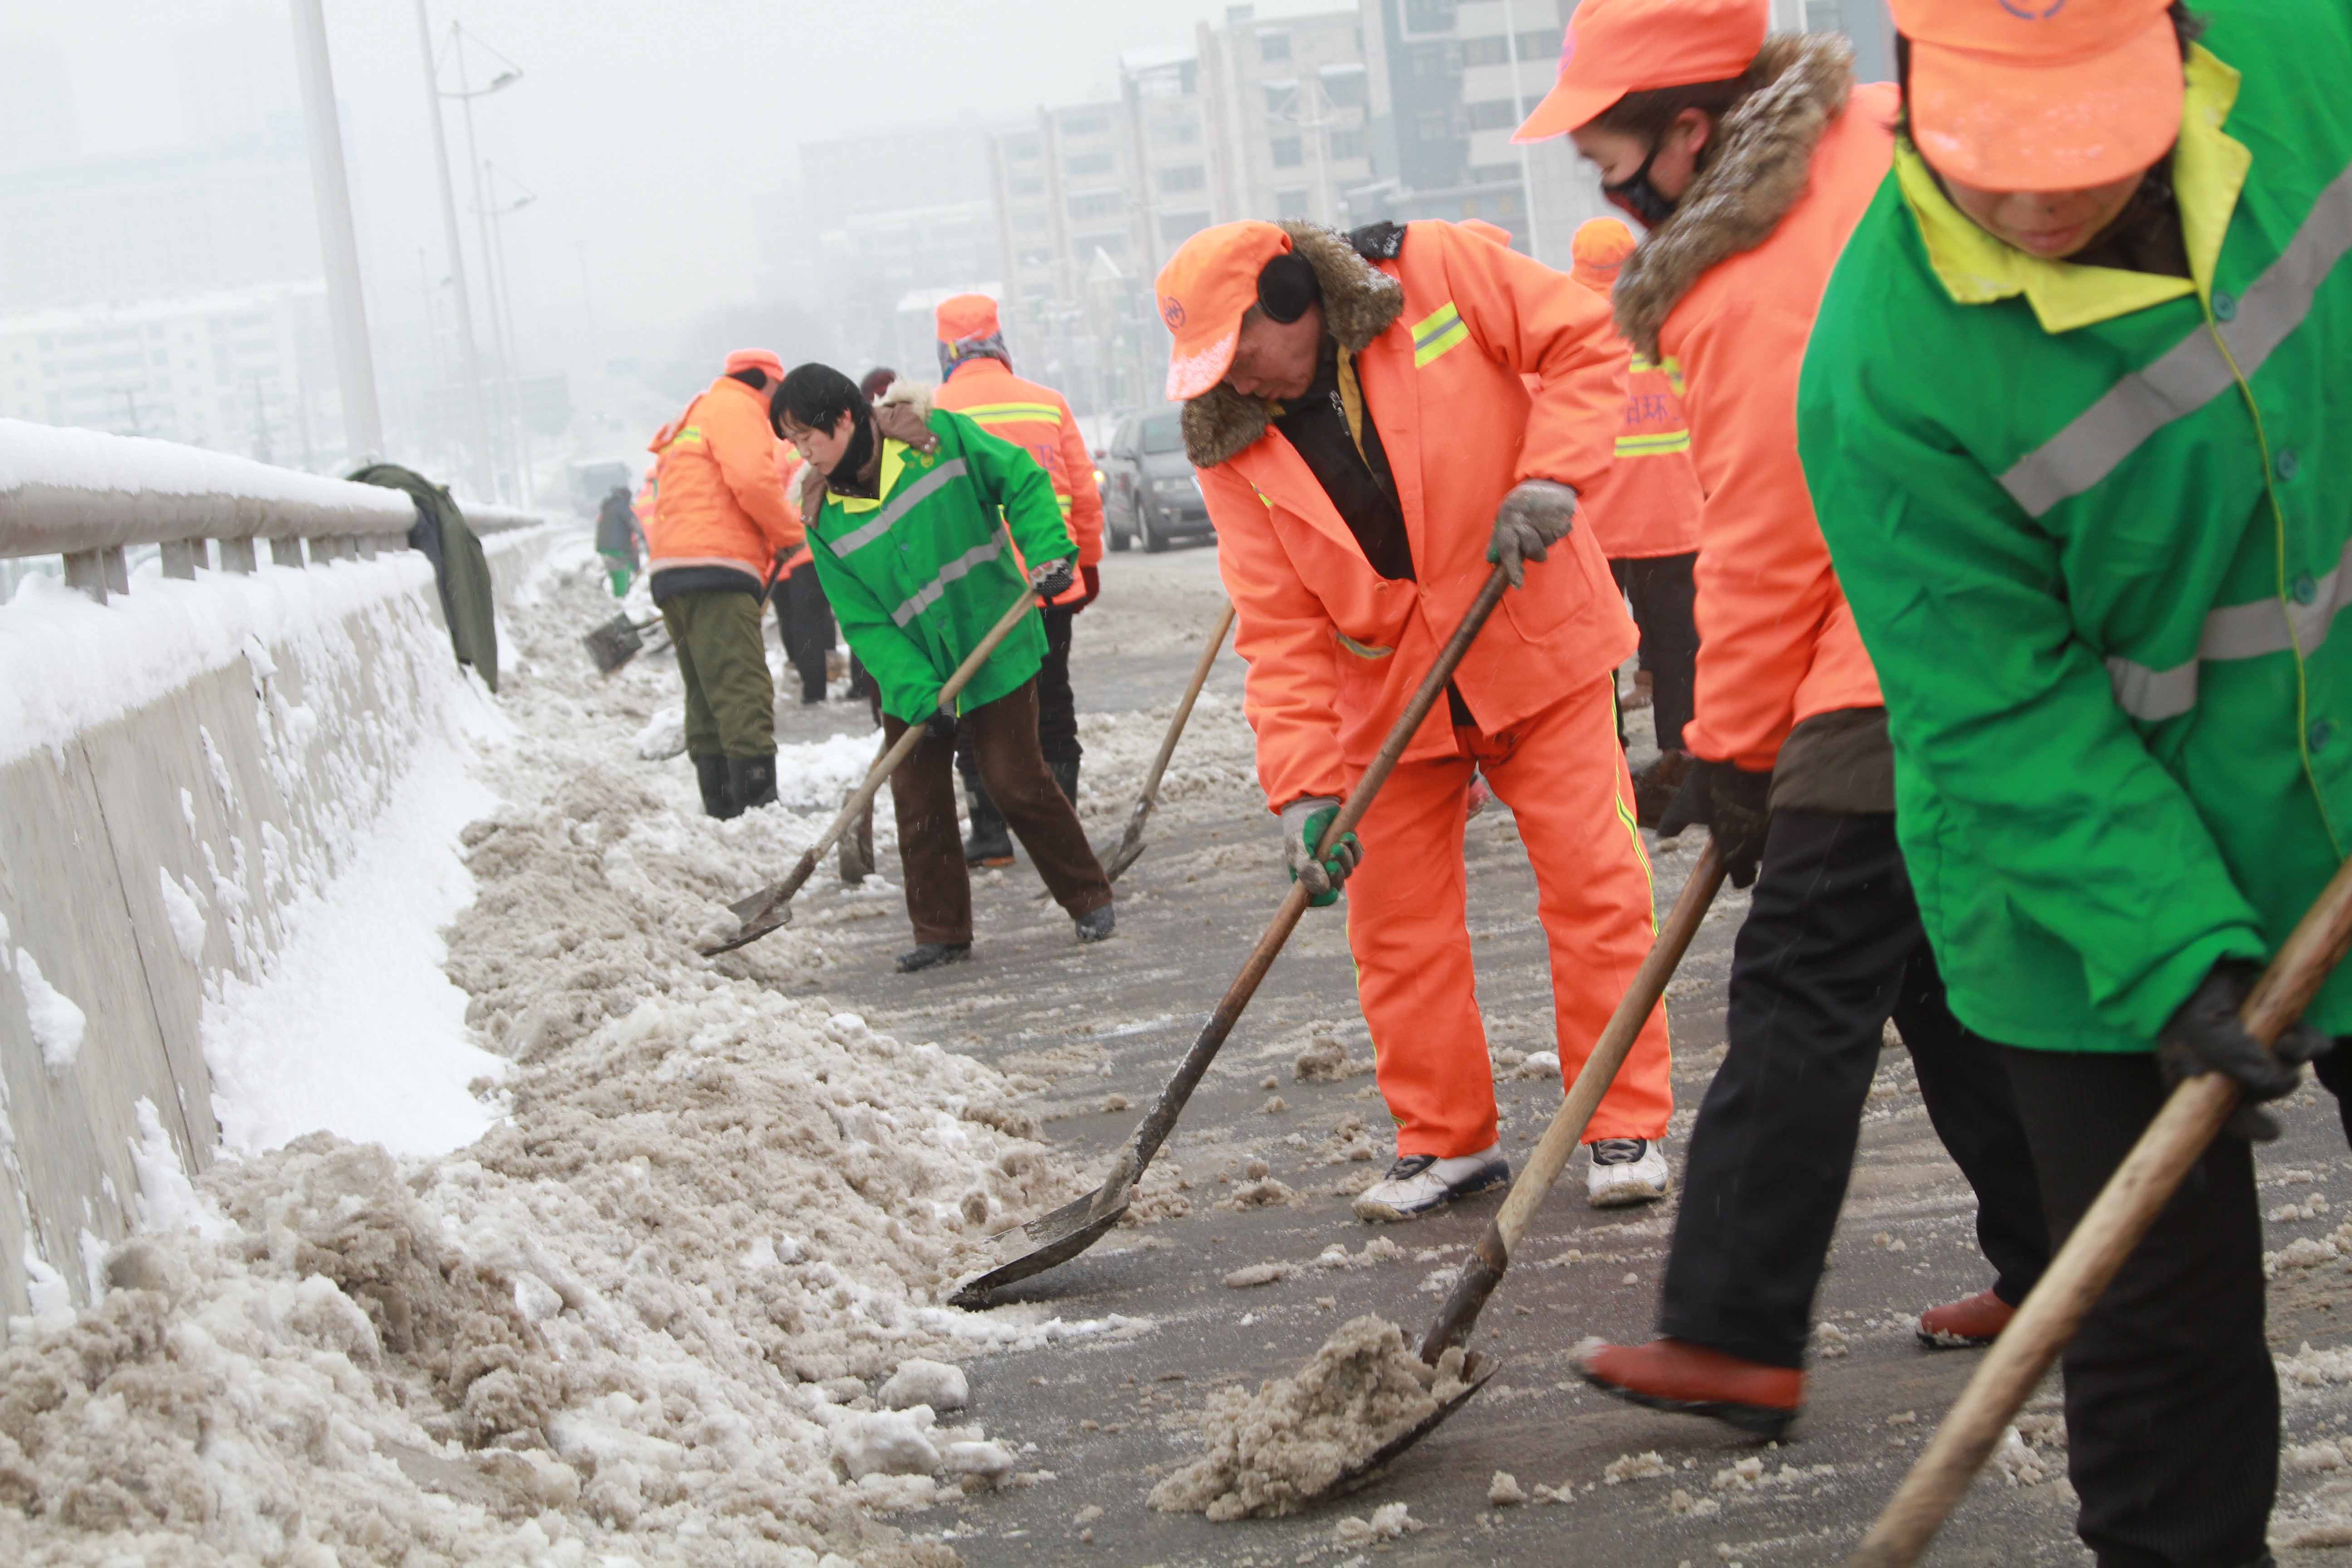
(1967, 1325)
(1674, 1375)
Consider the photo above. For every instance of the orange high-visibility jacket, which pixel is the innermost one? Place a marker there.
(1648, 504)
(1038, 420)
(1776, 641)
(789, 464)
(1335, 650)
(722, 503)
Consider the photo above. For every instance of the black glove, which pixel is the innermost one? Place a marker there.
(2205, 1035)
(1053, 579)
(1734, 804)
(940, 726)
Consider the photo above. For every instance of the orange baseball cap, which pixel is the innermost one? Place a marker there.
(1602, 246)
(1204, 291)
(2041, 95)
(1616, 46)
(962, 316)
(756, 359)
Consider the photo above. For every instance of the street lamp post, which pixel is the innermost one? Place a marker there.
(479, 466)
(339, 246)
(504, 305)
(502, 387)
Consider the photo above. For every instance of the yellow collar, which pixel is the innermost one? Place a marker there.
(894, 463)
(2208, 170)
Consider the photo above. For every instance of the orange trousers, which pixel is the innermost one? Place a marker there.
(1565, 780)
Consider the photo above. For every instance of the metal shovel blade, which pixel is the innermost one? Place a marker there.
(1128, 854)
(1477, 1369)
(1072, 1233)
(744, 909)
(613, 644)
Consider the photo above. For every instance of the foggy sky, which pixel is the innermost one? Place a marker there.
(648, 128)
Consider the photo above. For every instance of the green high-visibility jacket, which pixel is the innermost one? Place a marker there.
(2094, 527)
(917, 575)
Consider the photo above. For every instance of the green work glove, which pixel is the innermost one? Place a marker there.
(1303, 824)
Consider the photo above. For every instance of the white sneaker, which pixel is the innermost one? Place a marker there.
(1420, 1184)
(1627, 1171)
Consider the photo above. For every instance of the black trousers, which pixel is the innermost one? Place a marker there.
(1663, 594)
(1830, 949)
(2172, 1409)
(804, 621)
(1057, 705)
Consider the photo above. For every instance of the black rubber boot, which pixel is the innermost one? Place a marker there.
(752, 781)
(718, 799)
(1096, 924)
(1066, 774)
(991, 843)
(931, 954)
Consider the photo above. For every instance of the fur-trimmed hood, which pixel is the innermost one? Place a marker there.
(1359, 303)
(901, 414)
(1762, 168)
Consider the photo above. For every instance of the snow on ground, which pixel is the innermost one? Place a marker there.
(647, 1315)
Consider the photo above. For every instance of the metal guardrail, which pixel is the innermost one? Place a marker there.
(85, 495)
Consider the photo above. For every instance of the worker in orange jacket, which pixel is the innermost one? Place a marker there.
(977, 381)
(723, 518)
(1747, 214)
(1366, 448)
(1646, 516)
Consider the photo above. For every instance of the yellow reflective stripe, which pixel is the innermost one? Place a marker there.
(1657, 446)
(1670, 364)
(1435, 334)
(691, 433)
(1361, 651)
(1004, 413)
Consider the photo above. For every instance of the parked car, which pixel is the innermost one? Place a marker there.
(1150, 494)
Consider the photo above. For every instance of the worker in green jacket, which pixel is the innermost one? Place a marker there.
(2073, 411)
(905, 537)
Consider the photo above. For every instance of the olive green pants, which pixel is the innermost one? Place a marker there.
(731, 700)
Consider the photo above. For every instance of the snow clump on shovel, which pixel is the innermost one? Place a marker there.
(1295, 1438)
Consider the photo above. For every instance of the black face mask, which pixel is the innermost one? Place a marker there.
(1636, 195)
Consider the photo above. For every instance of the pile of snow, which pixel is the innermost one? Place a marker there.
(656, 1311)
(58, 1023)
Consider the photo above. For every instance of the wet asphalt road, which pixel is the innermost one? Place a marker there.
(1107, 1414)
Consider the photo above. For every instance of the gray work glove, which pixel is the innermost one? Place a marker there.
(1303, 823)
(1053, 579)
(2205, 1035)
(1533, 518)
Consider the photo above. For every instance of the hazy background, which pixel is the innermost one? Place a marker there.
(160, 270)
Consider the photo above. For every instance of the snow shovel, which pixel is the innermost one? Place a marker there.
(1483, 1270)
(1131, 845)
(1080, 1223)
(2108, 1232)
(617, 641)
(769, 908)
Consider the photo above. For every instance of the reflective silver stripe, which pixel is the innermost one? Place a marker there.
(899, 504)
(963, 566)
(2192, 372)
(2233, 632)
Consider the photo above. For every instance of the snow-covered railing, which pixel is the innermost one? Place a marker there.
(85, 495)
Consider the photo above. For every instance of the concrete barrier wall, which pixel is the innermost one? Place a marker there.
(238, 788)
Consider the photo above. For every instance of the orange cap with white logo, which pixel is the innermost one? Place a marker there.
(2041, 95)
(1612, 47)
(1203, 292)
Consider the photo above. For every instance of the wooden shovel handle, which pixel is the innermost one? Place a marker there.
(2113, 1225)
(1151, 796)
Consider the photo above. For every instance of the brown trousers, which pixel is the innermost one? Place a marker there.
(922, 793)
